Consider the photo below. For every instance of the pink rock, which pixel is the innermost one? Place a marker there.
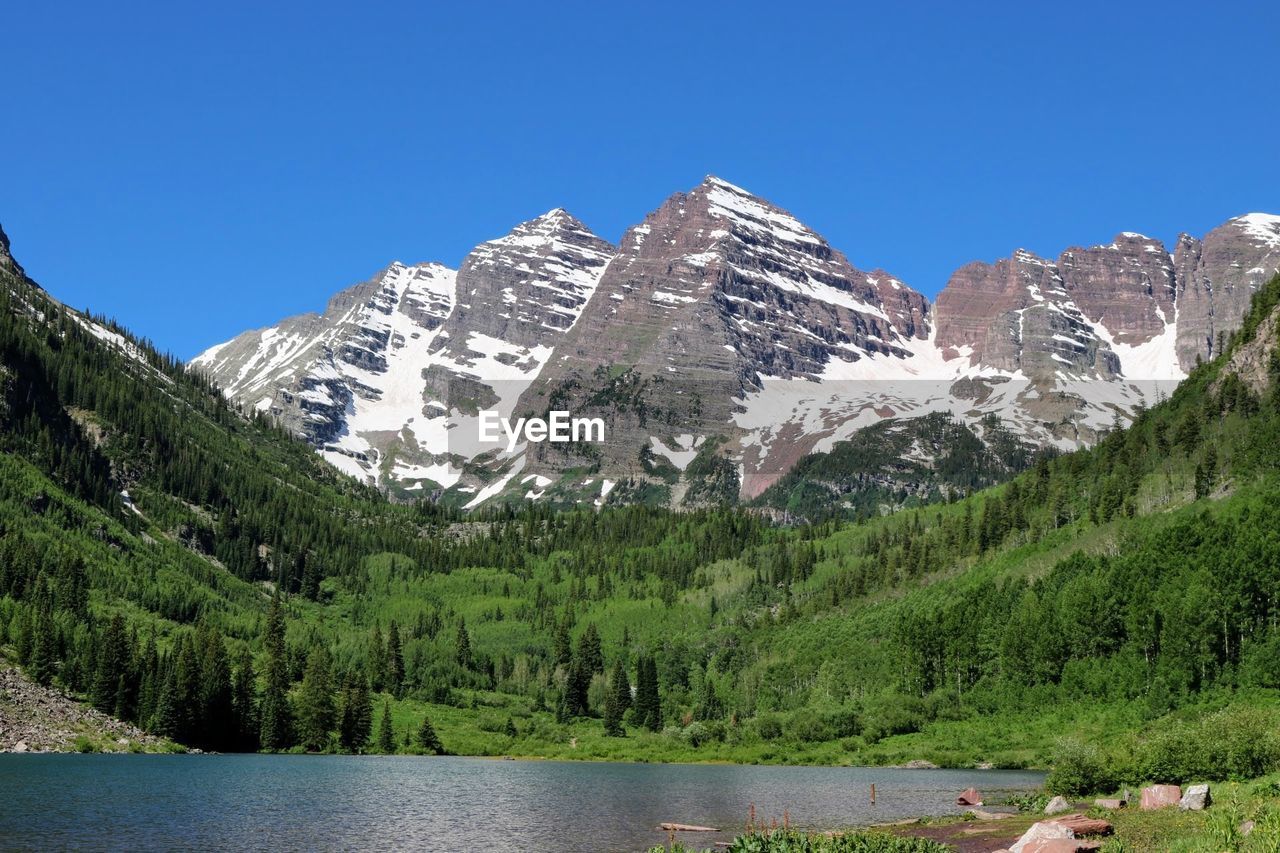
(1160, 797)
(969, 797)
(1039, 834)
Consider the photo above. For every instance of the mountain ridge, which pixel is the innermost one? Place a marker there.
(724, 300)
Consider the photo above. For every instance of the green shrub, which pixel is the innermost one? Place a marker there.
(1235, 743)
(796, 841)
(808, 727)
(1078, 768)
(893, 715)
(769, 727)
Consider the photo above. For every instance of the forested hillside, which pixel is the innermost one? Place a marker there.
(899, 464)
(200, 573)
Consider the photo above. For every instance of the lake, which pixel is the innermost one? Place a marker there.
(448, 804)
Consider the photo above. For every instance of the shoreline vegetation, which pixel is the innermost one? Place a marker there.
(1242, 817)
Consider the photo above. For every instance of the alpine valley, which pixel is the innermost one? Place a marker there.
(723, 342)
(1035, 523)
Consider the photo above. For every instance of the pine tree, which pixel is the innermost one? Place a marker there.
(463, 645)
(186, 690)
(44, 649)
(561, 646)
(316, 713)
(576, 687)
(356, 718)
(244, 703)
(276, 718)
(428, 739)
(168, 720)
(647, 710)
(395, 662)
(589, 649)
(617, 700)
(113, 661)
(377, 661)
(218, 729)
(386, 739)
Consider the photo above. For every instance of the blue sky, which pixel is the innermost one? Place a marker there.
(196, 170)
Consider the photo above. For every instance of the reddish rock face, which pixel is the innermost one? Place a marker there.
(718, 281)
(713, 290)
(1217, 277)
(528, 287)
(1127, 286)
(1017, 315)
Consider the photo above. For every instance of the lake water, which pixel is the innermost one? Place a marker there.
(242, 802)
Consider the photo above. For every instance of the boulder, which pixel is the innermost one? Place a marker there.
(1112, 804)
(1057, 805)
(1040, 833)
(1246, 827)
(1195, 799)
(1160, 797)
(1083, 826)
(969, 797)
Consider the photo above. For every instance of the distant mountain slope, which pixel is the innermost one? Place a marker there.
(723, 321)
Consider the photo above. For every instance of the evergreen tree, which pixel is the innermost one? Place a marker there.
(590, 651)
(617, 700)
(428, 739)
(218, 729)
(395, 662)
(356, 719)
(576, 688)
(44, 649)
(462, 645)
(244, 703)
(316, 712)
(168, 719)
(186, 690)
(709, 707)
(113, 662)
(647, 710)
(377, 661)
(561, 646)
(386, 739)
(276, 731)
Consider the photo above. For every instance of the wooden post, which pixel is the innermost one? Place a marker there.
(873, 793)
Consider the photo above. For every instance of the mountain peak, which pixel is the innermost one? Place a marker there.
(1263, 227)
(556, 223)
(713, 181)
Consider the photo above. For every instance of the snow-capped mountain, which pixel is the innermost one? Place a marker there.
(722, 341)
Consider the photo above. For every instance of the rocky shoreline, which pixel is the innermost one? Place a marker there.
(41, 719)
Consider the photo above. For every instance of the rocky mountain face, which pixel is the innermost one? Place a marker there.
(721, 342)
(348, 380)
(1217, 276)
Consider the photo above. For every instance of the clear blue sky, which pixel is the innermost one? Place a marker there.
(198, 169)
